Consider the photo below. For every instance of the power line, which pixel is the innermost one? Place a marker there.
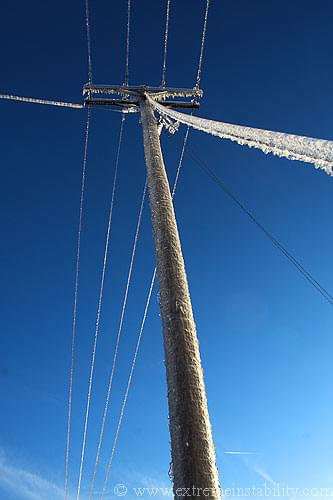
(307, 275)
(127, 42)
(126, 81)
(129, 381)
(34, 100)
(107, 401)
(77, 265)
(180, 162)
(88, 42)
(115, 355)
(76, 287)
(203, 39)
(101, 291)
(319, 152)
(166, 34)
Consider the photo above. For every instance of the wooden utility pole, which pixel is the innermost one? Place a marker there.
(194, 468)
(193, 455)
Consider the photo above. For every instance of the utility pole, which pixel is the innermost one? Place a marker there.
(193, 454)
(194, 468)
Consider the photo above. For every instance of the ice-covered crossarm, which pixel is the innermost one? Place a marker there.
(319, 152)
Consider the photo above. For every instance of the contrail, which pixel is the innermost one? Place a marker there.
(238, 453)
(264, 475)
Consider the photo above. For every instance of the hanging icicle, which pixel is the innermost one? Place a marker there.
(319, 152)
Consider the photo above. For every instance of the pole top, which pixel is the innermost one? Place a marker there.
(129, 96)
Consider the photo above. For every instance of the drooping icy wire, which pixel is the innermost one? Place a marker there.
(180, 162)
(129, 381)
(127, 41)
(77, 264)
(76, 288)
(319, 152)
(115, 355)
(99, 307)
(88, 42)
(203, 39)
(166, 34)
(123, 406)
(34, 100)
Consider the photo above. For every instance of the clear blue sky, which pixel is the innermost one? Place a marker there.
(265, 333)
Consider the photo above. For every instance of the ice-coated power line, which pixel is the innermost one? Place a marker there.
(76, 287)
(88, 41)
(128, 29)
(99, 307)
(202, 46)
(34, 100)
(166, 34)
(319, 152)
(123, 406)
(180, 163)
(120, 327)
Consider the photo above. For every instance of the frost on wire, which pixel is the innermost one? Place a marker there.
(319, 152)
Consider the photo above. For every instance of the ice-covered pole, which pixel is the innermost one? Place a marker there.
(194, 468)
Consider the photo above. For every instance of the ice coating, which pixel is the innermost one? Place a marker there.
(319, 152)
(33, 100)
